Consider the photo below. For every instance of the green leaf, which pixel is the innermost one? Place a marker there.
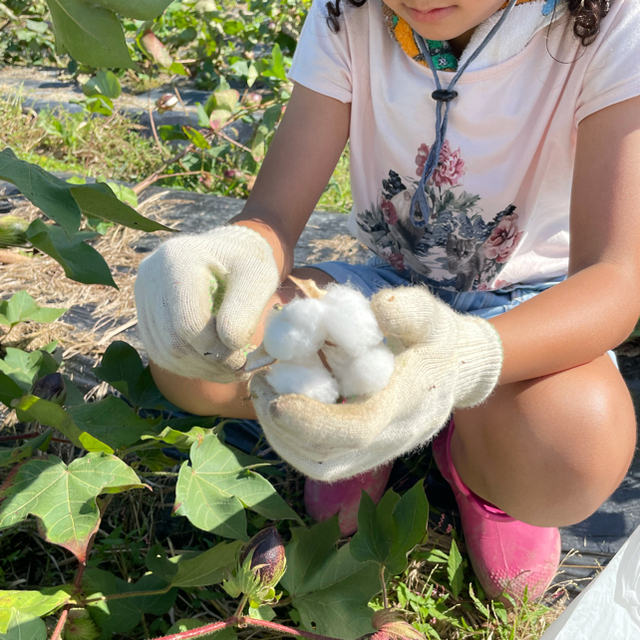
(258, 146)
(9, 390)
(50, 414)
(455, 569)
(194, 569)
(263, 612)
(111, 421)
(138, 10)
(45, 191)
(104, 83)
(23, 367)
(183, 441)
(80, 262)
(22, 307)
(196, 138)
(410, 517)
(124, 194)
(214, 491)
(10, 457)
(227, 99)
(23, 626)
(123, 614)
(99, 201)
(32, 603)
(90, 33)
(122, 367)
(64, 498)
(330, 589)
(386, 534)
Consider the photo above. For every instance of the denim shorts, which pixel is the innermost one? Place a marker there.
(377, 274)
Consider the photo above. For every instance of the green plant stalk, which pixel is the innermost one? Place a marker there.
(128, 594)
(383, 584)
(57, 632)
(243, 622)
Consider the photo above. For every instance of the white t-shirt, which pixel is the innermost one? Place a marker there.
(501, 193)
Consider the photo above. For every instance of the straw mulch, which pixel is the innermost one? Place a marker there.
(109, 311)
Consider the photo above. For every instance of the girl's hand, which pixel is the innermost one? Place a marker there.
(444, 360)
(200, 298)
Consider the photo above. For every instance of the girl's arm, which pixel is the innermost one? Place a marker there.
(597, 307)
(301, 158)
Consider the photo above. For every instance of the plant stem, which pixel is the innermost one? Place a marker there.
(61, 622)
(244, 622)
(241, 606)
(29, 436)
(385, 600)
(128, 594)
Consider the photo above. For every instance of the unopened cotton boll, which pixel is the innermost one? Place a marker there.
(368, 372)
(312, 380)
(349, 321)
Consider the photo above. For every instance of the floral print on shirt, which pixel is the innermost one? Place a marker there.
(456, 249)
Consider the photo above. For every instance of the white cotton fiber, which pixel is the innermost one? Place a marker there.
(349, 321)
(313, 380)
(296, 331)
(342, 326)
(367, 373)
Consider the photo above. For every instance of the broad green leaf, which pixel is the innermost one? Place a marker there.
(104, 83)
(196, 138)
(111, 421)
(24, 626)
(99, 104)
(330, 589)
(258, 147)
(80, 262)
(154, 460)
(23, 367)
(388, 532)
(48, 193)
(98, 201)
(138, 10)
(180, 440)
(263, 612)
(455, 569)
(32, 408)
(10, 457)
(21, 307)
(32, 603)
(64, 498)
(123, 614)
(227, 99)
(410, 517)
(124, 193)
(215, 489)
(9, 390)
(375, 528)
(194, 569)
(92, 34)
(122, 367)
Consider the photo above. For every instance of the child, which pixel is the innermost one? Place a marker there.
(482, 137)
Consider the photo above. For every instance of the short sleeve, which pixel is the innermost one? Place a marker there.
(613, 72)
(322, 60)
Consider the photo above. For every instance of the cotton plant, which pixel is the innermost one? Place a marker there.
(327, 346)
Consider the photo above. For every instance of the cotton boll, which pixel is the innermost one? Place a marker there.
(349, 321)
(311, 380)
(367, 373)
(295, 332)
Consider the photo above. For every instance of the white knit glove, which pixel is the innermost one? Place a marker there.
(444, 360)
(199, 300)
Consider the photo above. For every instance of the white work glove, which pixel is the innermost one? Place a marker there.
(444, 361)
(200, 298)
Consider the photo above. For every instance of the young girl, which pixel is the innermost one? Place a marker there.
(495, 168)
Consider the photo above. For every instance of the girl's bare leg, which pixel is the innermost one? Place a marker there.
(549, 451)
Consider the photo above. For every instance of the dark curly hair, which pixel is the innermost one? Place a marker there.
(587, 15)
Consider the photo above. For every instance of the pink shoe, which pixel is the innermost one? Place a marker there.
(324, 499)
(507, 555)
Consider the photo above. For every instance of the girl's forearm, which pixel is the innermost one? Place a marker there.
(570, 324)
